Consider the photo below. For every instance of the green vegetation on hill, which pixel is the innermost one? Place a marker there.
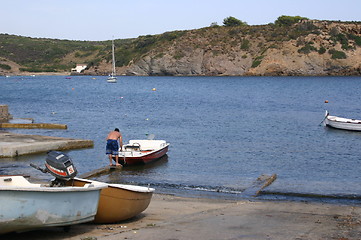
(133, 50)
(52, 55)
(42, 55)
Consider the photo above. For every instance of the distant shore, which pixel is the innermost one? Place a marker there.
(37, 74)
(170, 217)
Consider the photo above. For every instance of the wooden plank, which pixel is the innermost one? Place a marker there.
(258, 185)
(100, 171)
(33, 125)
(266, 182)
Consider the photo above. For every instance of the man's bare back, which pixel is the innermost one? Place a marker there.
(114, 135)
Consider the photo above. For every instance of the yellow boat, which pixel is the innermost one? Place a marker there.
(118, 202)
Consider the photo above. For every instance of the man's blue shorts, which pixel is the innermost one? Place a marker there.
(112, 147)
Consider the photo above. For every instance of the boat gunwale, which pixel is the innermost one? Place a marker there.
(35, 187)
(142, 153)
(127, 187)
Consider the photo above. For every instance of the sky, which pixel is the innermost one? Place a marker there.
(98, 20)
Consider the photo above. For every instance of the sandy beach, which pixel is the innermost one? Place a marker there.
(171, 217)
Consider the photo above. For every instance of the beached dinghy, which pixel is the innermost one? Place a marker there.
(142, 151)
(342, 123)
(27, 206)
(118, 202)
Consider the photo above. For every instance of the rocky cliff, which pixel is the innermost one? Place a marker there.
(307, 48)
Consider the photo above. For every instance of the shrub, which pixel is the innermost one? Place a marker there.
(169, 36)
(288, 20)
(357, 39)
(322, 50)
(5, 66)
(145, 41)
(232, 21)
(257, 61)
(245, 44)
(337, 54)
(123, 57)
(307, 49)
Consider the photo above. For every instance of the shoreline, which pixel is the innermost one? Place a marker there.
(172, 217)
(69, 74)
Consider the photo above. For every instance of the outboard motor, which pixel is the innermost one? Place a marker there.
(60, 166)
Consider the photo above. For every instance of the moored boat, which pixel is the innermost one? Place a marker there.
(342, 123)
(27, 206)
(142, 151)
(118, 202)
(112, 77)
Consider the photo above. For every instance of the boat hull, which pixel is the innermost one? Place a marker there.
(146, 158)
(112, 80)
(30, 208)
(120, 202)
(343, 123)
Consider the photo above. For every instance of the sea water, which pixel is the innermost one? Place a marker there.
(224, 132)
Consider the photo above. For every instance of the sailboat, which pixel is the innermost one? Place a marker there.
(112, 77)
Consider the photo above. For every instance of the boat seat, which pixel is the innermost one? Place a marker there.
(88, 185)
(131, 146)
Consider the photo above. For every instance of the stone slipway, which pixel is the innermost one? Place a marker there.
(12, 144)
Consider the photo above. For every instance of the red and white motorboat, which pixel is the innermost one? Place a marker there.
(142, 151)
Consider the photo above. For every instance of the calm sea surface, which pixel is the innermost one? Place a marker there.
(224, 131)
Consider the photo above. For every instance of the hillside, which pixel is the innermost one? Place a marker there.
(309, 47)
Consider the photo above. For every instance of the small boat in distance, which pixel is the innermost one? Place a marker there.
(112, 77)
(118, 202)
(142, 151)
(342, 123)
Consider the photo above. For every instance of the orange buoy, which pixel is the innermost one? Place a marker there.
(326, 101)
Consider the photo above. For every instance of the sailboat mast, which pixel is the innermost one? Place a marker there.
(113, 59)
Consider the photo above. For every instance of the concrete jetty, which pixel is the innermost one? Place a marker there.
(12, 144)
(33, 125)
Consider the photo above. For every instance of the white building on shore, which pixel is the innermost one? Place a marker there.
(79, 68)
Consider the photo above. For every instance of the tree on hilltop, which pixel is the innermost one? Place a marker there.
(232, 21)
(288, 20)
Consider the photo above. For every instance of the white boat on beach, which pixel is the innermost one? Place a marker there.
(27, 206)
(112, 77)
(342, 123)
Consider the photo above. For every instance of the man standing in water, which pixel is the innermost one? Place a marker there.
(112, 147)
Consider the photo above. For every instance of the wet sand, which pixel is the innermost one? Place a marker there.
(170, 217)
